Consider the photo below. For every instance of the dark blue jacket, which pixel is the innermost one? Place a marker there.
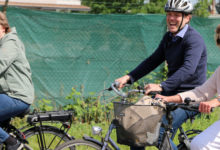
(186, 59)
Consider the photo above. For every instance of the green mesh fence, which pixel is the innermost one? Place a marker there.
(90, 51)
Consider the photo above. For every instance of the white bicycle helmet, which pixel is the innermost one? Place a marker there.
(184, 6)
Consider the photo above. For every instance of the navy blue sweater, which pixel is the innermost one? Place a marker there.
(186, 59)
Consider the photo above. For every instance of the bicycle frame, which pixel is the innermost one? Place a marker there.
(164, 145)
(107, 139)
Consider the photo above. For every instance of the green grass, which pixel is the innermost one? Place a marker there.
(201, 122)
(79, 129)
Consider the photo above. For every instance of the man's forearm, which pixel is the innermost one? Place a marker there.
(174, 99)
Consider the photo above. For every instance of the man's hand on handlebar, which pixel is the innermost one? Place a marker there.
(152, 87)
(163, 98)
(122, 81)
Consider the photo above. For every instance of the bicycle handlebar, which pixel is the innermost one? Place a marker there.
(115, 85)
(171, 106)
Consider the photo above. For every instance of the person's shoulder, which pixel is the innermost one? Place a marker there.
(192, 32)
(12, 35)
(193, 35)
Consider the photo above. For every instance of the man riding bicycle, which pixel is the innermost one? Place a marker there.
(209, 138)
(184, 50)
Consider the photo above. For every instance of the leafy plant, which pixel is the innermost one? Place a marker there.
(88, 109)
(201, 8)
(43, 105)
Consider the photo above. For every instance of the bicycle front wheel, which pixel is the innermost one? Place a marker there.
(79, 145)
(45, 137)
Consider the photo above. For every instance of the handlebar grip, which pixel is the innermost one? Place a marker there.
(188, 100)
(115, 86)
(153, 93)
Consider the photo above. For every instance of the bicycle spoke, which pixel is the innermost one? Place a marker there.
(48, 139)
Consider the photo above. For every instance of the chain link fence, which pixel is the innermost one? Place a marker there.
(90, 51)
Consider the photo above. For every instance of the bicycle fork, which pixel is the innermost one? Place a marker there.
(109, 139)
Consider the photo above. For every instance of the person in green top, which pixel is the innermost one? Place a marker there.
(16, 87)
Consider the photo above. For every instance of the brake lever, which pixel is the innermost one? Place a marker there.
(154, 93)
(188, 100)
(114, 86)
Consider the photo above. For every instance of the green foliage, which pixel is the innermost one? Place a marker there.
(209, 73)
(112, 6)
(154, 7)
(88, 109)
(201, 8)
(138, 6)
(43, 105)
(155, 77)
(122, 7)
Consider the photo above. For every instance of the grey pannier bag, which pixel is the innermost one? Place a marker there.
(138, 124)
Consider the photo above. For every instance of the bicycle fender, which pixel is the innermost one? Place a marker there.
(90, 139)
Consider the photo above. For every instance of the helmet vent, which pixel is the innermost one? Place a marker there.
(177, 2)
(186, 8)
(171, 3)
(184, 4)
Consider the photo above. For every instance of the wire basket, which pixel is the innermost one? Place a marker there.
(138, 124)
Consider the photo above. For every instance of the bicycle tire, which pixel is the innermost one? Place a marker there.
(53, 137)
(80, 145)
(25, 147)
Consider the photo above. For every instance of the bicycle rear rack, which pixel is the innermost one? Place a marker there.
(61, 116)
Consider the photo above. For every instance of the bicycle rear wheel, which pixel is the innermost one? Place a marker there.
(47, 138)
(79, 145)
(25, 147)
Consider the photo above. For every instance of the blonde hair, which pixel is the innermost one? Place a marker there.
(217, 35)
(4, 22)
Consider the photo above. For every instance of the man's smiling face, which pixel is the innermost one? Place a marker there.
(174, 21)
